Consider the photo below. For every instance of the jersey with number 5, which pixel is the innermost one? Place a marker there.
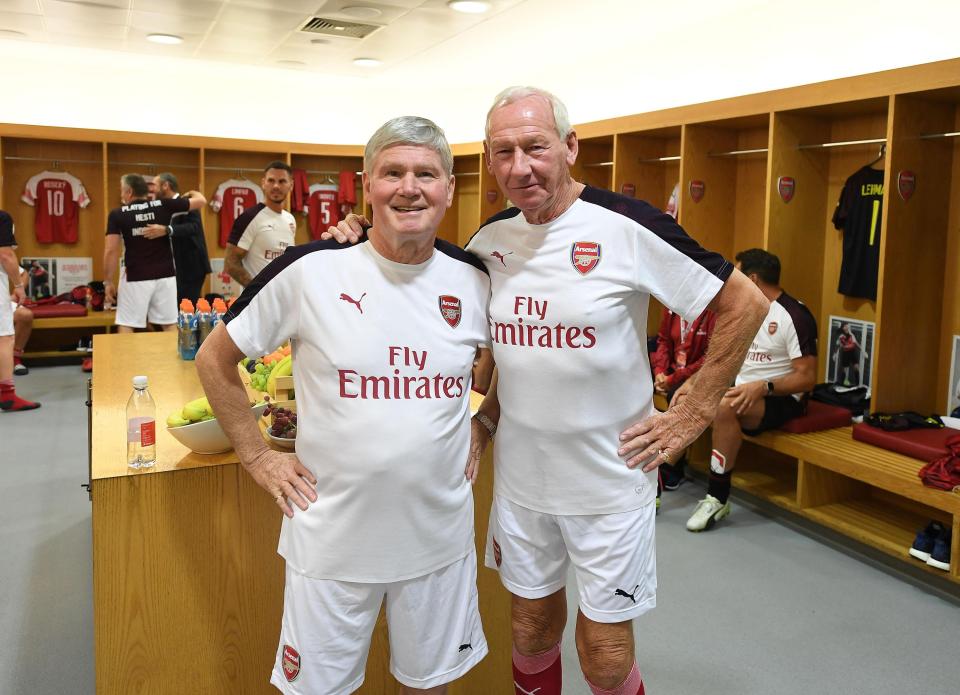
(322, 208)
(57, 197)
(231, 199)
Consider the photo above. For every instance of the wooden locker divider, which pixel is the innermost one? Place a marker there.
(594, 165)
(793, 228)
(913, 247)
(468, 194)
(492, 199)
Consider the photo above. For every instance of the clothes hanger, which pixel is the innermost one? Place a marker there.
(883, 152)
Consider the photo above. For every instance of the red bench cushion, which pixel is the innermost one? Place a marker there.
(52, 311)
(926, 445)
(819, 416)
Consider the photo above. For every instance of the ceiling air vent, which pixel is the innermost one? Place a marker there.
(337, 27)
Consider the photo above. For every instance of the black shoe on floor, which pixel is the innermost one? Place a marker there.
(672, 475)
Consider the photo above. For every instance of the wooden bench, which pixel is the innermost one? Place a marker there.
(859, 490)
(93, 322)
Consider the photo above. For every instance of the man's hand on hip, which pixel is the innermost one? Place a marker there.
(663, 437)
(285, 478)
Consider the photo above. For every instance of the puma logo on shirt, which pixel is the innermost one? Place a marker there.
(501, 256)
(348, 298)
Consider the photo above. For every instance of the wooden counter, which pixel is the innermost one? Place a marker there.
(187, 583)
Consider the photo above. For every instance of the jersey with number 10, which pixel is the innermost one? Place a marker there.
(231, 199)
(322, 208)
(58, 197)
(858, 215)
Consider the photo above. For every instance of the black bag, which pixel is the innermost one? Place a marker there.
(907, 420)
(856, 400)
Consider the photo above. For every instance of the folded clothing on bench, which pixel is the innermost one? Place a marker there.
(52, 311)
(819, 416)
(926, 445)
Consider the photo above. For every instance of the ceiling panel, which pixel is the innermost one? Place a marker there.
(21, 6)
(22, 22)
(108, 31)
(188, 8)
(86, 12)
(169, 23)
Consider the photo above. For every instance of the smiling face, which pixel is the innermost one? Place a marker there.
(409, 192)
(526, 155)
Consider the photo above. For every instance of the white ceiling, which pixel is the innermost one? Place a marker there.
(245, 32)
(82, 64)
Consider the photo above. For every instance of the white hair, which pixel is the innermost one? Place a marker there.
(509, 95)
(409, 130)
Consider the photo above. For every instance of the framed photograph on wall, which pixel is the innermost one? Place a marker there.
(953, 395)
(850, 351)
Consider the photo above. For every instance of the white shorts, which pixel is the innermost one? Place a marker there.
(433, 623)
(6, 309)
(146, 300)
(613, 555)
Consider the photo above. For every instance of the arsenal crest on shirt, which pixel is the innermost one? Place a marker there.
(585, 255)
(772, 327)
(290, 662)
(450, 309)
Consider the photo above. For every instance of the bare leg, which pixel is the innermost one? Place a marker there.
(538, 623)
(605, 651)
(22, 327)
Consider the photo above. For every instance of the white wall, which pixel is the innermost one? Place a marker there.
(605, 58)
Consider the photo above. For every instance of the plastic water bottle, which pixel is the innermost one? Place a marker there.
(204, 324)
(216, 315)
(141, 426)
(187, 335)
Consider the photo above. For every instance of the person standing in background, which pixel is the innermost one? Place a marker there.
(190, 257)
(9, 268)
(263, 232)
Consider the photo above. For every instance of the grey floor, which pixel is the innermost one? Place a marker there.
(752, 607)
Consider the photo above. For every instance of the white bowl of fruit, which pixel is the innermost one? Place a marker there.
(283, 425)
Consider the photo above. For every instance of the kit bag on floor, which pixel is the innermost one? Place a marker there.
(944, 473)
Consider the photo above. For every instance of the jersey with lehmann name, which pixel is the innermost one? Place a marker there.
(568, 321)
(382, 355)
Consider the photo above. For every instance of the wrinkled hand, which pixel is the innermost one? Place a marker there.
(662, 437)
(285, 478)
(350, 228)
(154, 231)
(479, 438)
(681, 392)
(742, 398)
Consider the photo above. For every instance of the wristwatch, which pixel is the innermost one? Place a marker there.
(489, 424)
(769, 388)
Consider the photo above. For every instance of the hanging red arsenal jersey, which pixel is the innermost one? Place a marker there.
(231, 199)
(322, 208)
(57, 197)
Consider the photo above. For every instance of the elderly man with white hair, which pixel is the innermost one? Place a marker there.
(384, 337)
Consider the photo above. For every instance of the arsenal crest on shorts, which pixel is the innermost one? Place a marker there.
(450, 309)
(290, 663)
(585, 255)
(772, 327)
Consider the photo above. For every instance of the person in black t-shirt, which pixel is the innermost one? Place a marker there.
(148, 287)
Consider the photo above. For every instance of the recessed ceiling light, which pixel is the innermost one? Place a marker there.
(366, 62)
(469, 6)
(361, 11)
(319, 42)
(167, 39)
(291, 62)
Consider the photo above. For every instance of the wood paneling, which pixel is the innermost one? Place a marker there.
(594, 162)
(913, 247)
(314, 164)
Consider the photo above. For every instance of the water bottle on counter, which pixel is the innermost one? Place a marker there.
(204, 320)
(187, 334)
(216, 315)
(141, 426)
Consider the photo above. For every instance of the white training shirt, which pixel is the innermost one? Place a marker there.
(263, 234)
(568, 318)
(788, 332)
(383, 354)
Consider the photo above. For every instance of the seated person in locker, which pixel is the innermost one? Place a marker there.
(186, 234)
(263, 231)
(22, 328)
(9, 268)
(772, 387)
(681, 349)
(148, 285)
(384, 337)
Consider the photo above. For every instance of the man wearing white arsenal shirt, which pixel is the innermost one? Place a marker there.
(571, 269)
(771, 388)
(384, 336)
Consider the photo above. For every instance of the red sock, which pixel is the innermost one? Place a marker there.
(9, 400)
(541, 674)
(632, 685)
